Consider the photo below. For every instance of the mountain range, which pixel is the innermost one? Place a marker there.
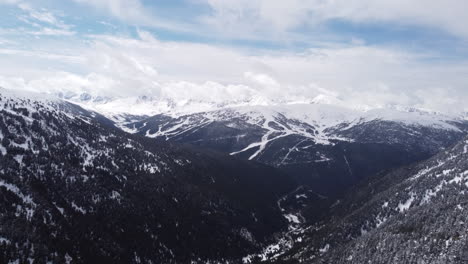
(88, 179)
(323, 143)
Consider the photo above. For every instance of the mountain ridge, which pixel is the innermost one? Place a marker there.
(151, 105)
(319, 145)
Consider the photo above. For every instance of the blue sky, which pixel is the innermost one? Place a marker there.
(376, 52)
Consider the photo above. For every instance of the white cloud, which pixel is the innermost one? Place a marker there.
(120, 66)
(54, 82)
(279, 16)
(256, 14)
(281, 20)
(52, 56)
(43, 15)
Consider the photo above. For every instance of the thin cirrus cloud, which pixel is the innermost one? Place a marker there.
(120, 64)
(40, 20)
(135, 13)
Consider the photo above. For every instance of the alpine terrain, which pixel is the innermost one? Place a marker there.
(74, 189)
(414, 214)
(79, 186)
(233, 132)
(323, 143)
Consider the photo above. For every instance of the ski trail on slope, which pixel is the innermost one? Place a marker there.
(265, 138)
(347, 164)
(291, 150)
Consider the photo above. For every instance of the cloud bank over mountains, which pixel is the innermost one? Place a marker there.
(116, 64)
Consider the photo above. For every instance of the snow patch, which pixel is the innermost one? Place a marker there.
(78, 208)
(3, 150)
(14, 189)
(292, 218)
(407, 204)
(4, 240)
(325, 249)
(19, 159)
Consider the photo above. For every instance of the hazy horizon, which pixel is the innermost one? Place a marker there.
(369, 53)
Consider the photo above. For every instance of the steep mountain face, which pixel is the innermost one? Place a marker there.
(415, 214)
(326, 147)
(74, 189)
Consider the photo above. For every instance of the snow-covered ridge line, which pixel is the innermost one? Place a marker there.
(176, 107)
(313, 121)
(322, 113)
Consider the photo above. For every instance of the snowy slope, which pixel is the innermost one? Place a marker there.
(415, 214)
(318, 122)
(322, 142)
(322, 111)
(328, 146)
(74, 187)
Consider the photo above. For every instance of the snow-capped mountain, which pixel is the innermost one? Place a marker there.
(323, 142)
(415, 214)
(74, 189)
(151, 105)
(326, 146)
